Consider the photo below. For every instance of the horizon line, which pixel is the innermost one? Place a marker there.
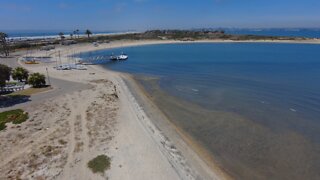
(105, 30)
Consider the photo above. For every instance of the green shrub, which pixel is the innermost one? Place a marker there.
(99, 164)
(17, 116)
(37, 80)
(20, 74)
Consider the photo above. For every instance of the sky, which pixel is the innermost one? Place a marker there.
(157, 14)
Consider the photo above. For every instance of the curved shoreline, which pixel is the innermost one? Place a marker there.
(159, 132)
(131, 43)
(88, 47)
(197, 156)
(173, 156)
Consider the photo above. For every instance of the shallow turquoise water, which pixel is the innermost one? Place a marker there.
(264, 99)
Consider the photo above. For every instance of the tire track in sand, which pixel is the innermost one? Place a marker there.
(78, 150)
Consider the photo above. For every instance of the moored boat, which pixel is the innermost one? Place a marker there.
(120, 57)
(123, 57)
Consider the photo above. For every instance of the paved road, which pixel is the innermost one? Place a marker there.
(12, 60)
(61, 87)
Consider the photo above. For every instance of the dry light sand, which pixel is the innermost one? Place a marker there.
(65, 132)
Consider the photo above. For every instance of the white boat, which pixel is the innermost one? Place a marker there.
(122, 57)
(84, 62)
(80, 67)
(117, 58)
(63, 67)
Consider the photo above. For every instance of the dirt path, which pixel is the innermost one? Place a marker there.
(71, 144)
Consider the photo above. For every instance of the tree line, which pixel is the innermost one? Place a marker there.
(75, 33)
(22, 75)
(5, 48)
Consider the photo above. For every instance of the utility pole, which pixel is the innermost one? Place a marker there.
(48, 77)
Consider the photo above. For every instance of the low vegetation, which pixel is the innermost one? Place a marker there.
(17, 116)
(99, 164)
(183, 35)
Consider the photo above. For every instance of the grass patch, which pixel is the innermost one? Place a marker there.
(17, 116)
(30, 91)
(99, 164)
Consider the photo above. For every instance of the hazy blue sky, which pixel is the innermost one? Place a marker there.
(151, 14)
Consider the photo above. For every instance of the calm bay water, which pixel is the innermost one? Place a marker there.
(307, 32)
(254, 106)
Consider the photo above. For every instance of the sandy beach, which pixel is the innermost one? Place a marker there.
(110, 115)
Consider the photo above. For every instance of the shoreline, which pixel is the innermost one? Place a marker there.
(199, 158)
(88, 47)
(132, 43)
(164, 134)
(189, 158)
(171, 155)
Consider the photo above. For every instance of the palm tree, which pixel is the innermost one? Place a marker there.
(88, 33)
(2, 34)
(71, 35)
(76, 32)
(61, 35)
(3, 43)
